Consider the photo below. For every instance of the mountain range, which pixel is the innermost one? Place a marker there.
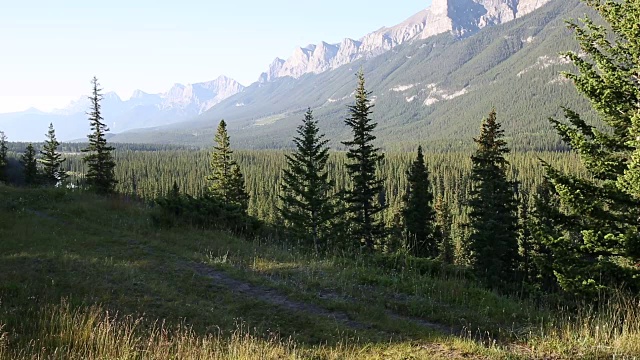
(458, 17)
(180, 103)
(433, 77)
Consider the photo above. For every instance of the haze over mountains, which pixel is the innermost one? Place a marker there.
(431, 76)
(180, 103)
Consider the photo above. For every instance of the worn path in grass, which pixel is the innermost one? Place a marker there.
(272, 296)
(276, 298)
(269, 304)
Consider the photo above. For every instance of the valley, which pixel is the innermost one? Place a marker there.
(464, 184)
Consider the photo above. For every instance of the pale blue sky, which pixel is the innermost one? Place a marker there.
(49, 50)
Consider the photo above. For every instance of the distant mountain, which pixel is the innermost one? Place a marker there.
(429, 91)
(433, 78)
(458, 17)
(180, 103)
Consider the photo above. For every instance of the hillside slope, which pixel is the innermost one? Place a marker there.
(433, 90)
(83, 277)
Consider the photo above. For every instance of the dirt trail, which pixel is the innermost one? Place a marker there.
(45, 216)
(272, 296)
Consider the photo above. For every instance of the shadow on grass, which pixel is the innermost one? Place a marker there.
(94, 251)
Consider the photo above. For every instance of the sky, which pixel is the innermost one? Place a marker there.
(50, 50)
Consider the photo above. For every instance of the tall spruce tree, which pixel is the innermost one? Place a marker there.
(601, 251)
(52, 160)
(100, 174)
(493, 242)
(545, 226)
(306, 188)
(419, 216)
(238, 194)
(525, 242)
(4, 161)
(362, 199)
(226, 179)
(30, 166)
(446, 251)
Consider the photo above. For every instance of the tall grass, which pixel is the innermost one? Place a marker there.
(365, 289)
(612, 329)
(92, 333)
(60, 332)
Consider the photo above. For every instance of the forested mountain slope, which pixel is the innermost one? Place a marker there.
(433, 91)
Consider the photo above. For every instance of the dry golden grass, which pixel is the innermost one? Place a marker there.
(92, 333)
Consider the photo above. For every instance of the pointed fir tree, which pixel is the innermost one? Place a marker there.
(306, 188)
(4, 157)
(446, 251)
(30, 166)
(52, 160)
(493, 241)
(366, 226)
(525, 242)
(174, 193)
(238, 195)
(418, 213)
(545, 224)
(226, 182)
(601, 252)
(100, 175)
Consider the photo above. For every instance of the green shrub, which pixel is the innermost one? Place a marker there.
(422, 266)
(206, 212)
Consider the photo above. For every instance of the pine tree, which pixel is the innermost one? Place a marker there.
(601, 251)
(493, 242)
(4, 161)
(545, 226)
(446, 251)
(418, 210)
(306, 200)
(238, 194)
(30, 166)
(52, 160)
(525, 242)
(226, 180)
(366, 225)
(174, 193)
(99, 159)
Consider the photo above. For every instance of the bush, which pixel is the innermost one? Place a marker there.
(422, 266)
(206, 212)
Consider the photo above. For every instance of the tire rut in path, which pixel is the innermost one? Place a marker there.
(273, 297)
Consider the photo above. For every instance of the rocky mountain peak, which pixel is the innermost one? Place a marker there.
(273, 72)
(459, 17)
(182, 101)
(138, 94)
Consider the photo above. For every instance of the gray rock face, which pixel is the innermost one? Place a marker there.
(274, 70)
(200, 97)
(459, 17)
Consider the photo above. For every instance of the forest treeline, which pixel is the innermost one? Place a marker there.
(151, 174)
(540, 222)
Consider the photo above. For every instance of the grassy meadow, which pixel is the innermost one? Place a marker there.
(84, 277)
